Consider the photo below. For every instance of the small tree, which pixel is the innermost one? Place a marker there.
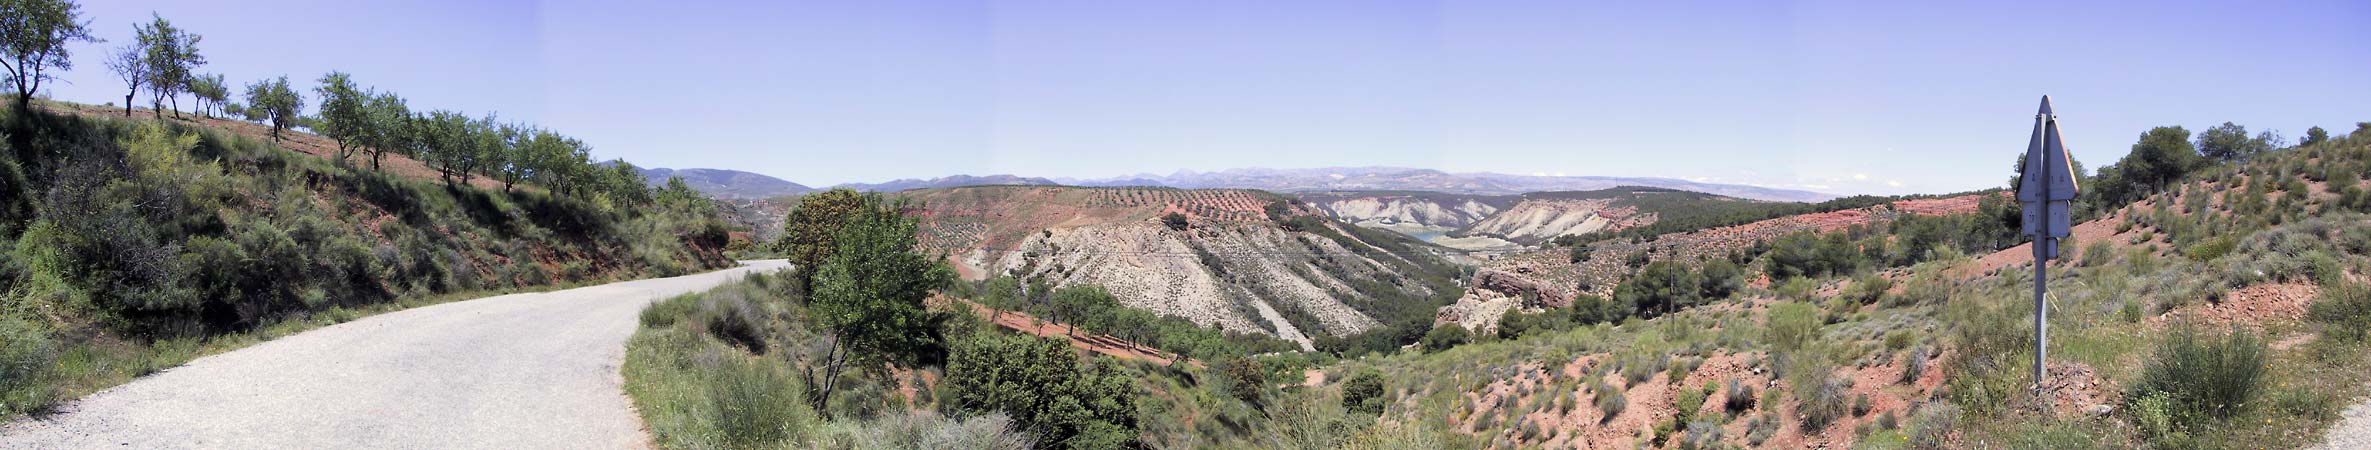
(1174, 221)
(33, 39)
(274, 103)
(171, 56)
(868, 296)
(2226, 142)
(345, 115)
(210, 90)
(513, 161)
(130, 63)
(389, 127)
(2313, 136)
(1663, 287)
(448, 143)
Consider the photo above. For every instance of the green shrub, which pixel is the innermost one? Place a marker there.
(1691, 400)
(732, 319)
(2345, 309)
(1040, 383)
(1931, 427)
(25, 355)
(1610, 401)
(1363, 392)
(1791, 326)
(924, 431)
(1899, 339)
(1819, 395)
(2204, 377)
(2212, 248)
(1446, 336)
(755, 405)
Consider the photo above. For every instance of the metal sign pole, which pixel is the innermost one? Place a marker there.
(2041, 308)
(2045, 188)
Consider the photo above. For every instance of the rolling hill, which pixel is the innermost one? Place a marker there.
(1231, 266)
(1408, 179)
(727, 184)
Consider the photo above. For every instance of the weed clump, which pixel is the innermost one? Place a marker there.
(2202, 378)
(2346, 309)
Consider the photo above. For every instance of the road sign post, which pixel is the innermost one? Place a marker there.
(2045, 189)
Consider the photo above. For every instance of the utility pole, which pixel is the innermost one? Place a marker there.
(2045, 188)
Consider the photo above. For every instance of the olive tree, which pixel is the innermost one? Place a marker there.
(33, 39)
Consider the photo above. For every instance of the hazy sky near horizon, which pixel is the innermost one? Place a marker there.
(1841, 97)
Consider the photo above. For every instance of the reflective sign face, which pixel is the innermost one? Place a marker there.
(2048, 182)
(2048, 219)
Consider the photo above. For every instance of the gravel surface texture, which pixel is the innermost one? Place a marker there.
(514, 371)
(2353, 430)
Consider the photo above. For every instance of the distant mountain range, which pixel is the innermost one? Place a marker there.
(1407, 179)
(728, 184)
(947, 182)
(738, 184)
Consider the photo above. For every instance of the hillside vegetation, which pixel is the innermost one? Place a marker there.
(2217, 306)
(1242, 261)
(2222, 308)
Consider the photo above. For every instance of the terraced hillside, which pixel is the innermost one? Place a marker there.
(1542, 216)
(1233, 264)
(1408, 212)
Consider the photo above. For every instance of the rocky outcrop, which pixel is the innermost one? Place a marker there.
(1477, 311)
(1511, 282)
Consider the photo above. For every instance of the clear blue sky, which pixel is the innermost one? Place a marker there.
(1846, 97)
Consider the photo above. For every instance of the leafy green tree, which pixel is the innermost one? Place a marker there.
(550, 158)
(2315, 135)
(1084, 305)
(388, 127)
(210, 90)
(808, 230)
(1722, 278)
(448, 143)
(2164, 154)
(869, 294)
(33, 39)
(1662, 287)
(345, 113)
(172, 56)
(272, 102)
(1039, 383)
(2226, 142)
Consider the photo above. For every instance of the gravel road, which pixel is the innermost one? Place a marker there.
(2353, 430)
(513, 371)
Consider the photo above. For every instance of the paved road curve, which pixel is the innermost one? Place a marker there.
(514, 371)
